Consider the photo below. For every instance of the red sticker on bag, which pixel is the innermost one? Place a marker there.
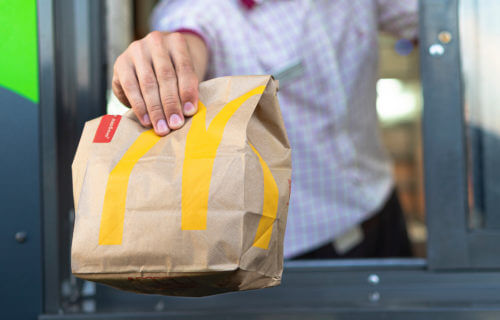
(107, 128)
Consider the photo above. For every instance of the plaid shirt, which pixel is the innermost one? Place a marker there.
(325, 53)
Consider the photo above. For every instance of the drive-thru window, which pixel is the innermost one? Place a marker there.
(459, 277)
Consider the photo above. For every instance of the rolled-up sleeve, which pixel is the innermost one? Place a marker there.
(399, 17)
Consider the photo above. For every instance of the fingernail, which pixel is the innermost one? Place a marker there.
(175, 121)
(189, 108)
(146, 119)
(162, 126)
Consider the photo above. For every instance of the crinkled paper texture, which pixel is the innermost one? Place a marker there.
(155, 255)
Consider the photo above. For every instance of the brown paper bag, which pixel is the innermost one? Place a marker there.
(198, 212)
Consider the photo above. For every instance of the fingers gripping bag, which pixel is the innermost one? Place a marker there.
(200, 211)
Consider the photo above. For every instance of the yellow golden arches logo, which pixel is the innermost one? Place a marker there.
(113, 211)
(270, 206)
(200, 153)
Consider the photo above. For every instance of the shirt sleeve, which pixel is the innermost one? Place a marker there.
(192, 16)
(399, 18)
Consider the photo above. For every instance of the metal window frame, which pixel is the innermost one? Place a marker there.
(346, 289)
(452, 244)
(48, 137)
(72, 90)
(364, 289)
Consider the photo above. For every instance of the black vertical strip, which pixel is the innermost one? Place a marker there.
(80, 96)
(48, 142)
(444, 138)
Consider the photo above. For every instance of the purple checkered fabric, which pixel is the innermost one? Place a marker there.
(326, 53)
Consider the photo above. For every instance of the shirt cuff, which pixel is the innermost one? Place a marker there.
(193, 32)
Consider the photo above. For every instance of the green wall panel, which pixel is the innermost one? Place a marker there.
(18, 47)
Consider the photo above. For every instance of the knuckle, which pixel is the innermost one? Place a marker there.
(119, 62)
(139, 112)
(128, 85)
(190, 86)
(155, 37)
(156, 111)
(167, 73)
(137, 105)
(134, 46)
(154, 34)
(188, 93)
(177, 37)
(185, 66)
(170, 102)
(148, 81)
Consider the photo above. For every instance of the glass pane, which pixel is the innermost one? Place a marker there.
(480, 49)
(399, 108)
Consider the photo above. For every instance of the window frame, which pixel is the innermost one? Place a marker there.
(452, 245)
(436, 288)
